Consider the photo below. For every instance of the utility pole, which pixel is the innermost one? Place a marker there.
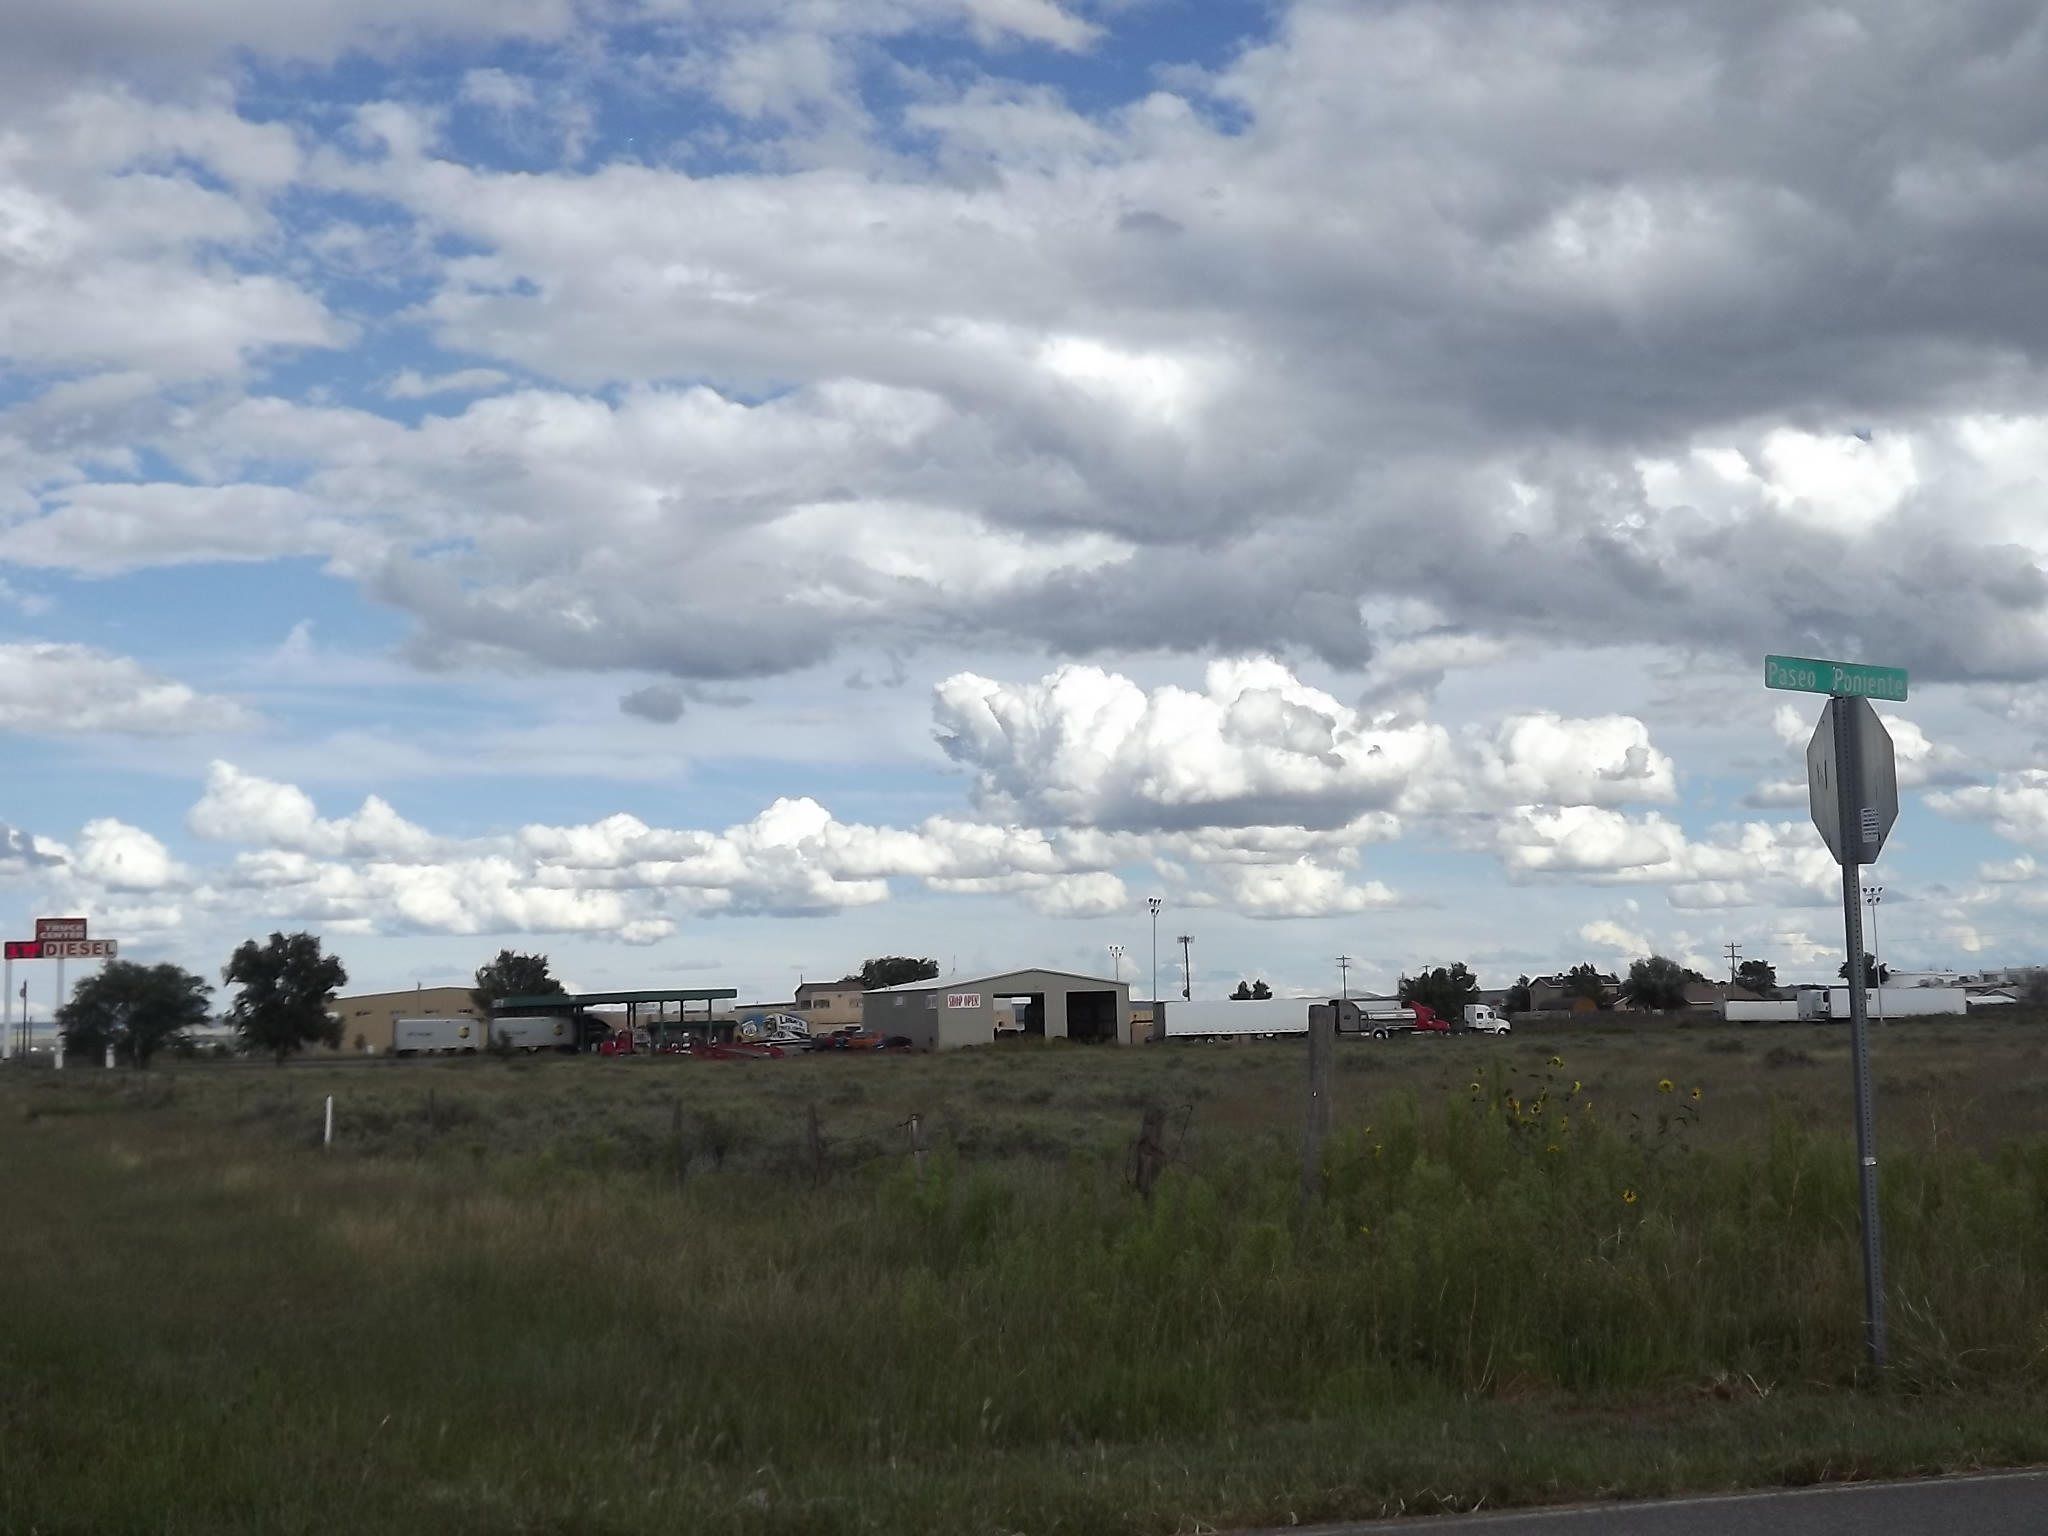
(1734, 953)
(1873, 896)
(1158, 1013)
(1344, 964)
(1187, 969)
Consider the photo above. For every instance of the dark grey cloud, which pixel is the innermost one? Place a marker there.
(18, 850)
(659, 702)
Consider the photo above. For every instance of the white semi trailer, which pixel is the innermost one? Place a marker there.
(1736, 1011)
(1255, 1018)
(437, 1037)
(536, 1032)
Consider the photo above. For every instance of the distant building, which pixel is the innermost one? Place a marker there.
(829, 1004)
(1547, 994)
(370, 1021)
(962, 1010)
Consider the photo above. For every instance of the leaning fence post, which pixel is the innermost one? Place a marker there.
(327, 1136)
(1315, 1131)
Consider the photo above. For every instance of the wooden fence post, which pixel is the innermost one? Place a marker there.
(917, 1144)
(1151, 1153)
(327, 1136)
(814, 1145)
(1315, 1132)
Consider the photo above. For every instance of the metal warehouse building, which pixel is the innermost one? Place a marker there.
(961, 1010)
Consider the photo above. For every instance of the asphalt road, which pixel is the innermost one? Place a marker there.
(1995, 1504)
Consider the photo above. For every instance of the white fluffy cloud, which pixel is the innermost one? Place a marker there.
(64, 688)
(2016, 805)
(1260, 748)
(1783, 863)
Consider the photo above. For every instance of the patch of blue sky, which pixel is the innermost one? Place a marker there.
(1143, 48)
(170, 612)
(55, 784)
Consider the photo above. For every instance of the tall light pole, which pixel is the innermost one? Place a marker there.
(1873, 895)
(1116, 960)
(1158, 1020)
(1187, 968)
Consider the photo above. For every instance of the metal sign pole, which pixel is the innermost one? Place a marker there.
(1849, 790)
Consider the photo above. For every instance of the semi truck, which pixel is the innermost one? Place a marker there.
(436, 1037)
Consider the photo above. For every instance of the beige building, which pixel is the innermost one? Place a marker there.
(369, 1023)
(829, 1004)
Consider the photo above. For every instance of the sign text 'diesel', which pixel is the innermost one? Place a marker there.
(1844, 679)
(63, 949)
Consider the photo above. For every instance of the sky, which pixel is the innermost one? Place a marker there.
(715, 491)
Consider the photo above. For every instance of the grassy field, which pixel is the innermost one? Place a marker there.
(638, 1295)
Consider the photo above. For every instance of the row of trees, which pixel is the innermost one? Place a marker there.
(287, 986)
(286, 989)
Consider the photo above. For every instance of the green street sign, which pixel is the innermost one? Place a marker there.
(1844, 679)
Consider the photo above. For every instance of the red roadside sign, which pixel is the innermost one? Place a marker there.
(60, 929)
(24, 949)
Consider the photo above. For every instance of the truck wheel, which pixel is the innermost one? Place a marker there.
(1379, 1034)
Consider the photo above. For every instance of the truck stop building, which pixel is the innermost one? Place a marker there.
(946, 1013)
(645, 1010)
(369, 1021)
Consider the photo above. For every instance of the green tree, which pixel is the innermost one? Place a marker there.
(1874, 975)
(1656, 984)
(1517, 1000)
(1444, 991)
(1261, 992)
(513, 975)
(893, 971)
(286, 985)
(1760, 976)
(2033, 987)
(1587, 982)
(1243, 994)
(136, 1008)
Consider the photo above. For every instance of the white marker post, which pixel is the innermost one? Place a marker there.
(327, 1140)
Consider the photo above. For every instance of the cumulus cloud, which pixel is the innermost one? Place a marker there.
(52, 688)
(2016, 805)
(963, 356)
(239, 807)
(1781, 863)
(1608, 934)
(1260, 748)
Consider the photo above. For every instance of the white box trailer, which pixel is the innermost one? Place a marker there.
(1251, 1019)
(535, 1032)
(433, 1037)
(1736, 1011)
(1901, 1002)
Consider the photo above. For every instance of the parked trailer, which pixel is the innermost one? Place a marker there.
(1901, 1002)
(1255, 1018)
(539, 1032)
(1737, 1012)
(436, 1037)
